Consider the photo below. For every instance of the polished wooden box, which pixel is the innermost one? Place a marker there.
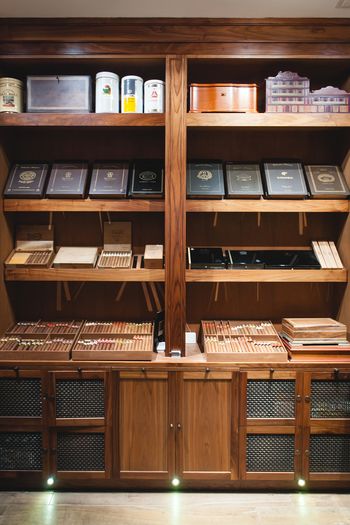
(236, 98)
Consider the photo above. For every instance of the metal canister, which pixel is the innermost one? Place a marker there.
(107, 92)
(132, 94)
(11, 95)
(154, 96)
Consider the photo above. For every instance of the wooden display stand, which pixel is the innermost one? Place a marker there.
(203, 424)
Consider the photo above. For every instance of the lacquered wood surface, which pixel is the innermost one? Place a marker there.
(264, 205)
(268, 120)
(83, 274)
(272, 276)
(83, 205)
(79, 120)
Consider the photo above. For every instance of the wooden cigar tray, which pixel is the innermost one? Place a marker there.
(236, 98)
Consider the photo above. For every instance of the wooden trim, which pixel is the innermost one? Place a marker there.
(84, 275)
(134, 474)
(146, 374)
(268, 120)
(260, 205)
(270, 475)
(80, 422)
(175, 214)
(271, 276)
(266, 422)
(95, 120)
(330, 426)
(271, 429)
(219, 376)
(329, 476)
(271, 374)
(83, 205)
(205, 475)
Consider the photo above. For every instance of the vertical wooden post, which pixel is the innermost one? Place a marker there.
(175, 203)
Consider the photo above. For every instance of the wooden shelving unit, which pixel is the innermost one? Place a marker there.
(83, 205)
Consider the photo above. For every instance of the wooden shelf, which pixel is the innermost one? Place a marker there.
(265, 205)
(83, 205)
(81, 120)
(83, 274)
(268, 120)
(271, 276)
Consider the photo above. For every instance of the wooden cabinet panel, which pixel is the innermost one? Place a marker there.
(206, 438)
(146, 429)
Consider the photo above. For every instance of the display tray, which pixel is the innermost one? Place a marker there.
(26, 328)
(41, 347)
(30, 259)
(242, 341)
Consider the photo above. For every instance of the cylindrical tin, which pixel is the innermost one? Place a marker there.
(154, 96)
(11, 95)
(107, 92)
(132, 94)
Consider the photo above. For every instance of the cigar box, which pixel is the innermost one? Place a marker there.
(205, 180)
(242, 341)
(277, 259)
(243, 181)
(34, 247)
(36, 347)
(285, 180)
(313, 330)
(33, 328)
(59, 94)
(109, 180)
(326, 182)
(327, 254)
(244, 259)
(117, 245)
(26, 181)
(306, 260)
(115, 341)
(67, 180)
(76, 257)
(147, 179)
(153, 256)
(239, 98)
(206, 258)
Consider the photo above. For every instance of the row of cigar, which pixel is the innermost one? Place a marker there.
(238, 328)
(117, 327)
(45, 327)
(136, 343)
(114, 260)
(39, 257)
(240, 344)
(17, 344)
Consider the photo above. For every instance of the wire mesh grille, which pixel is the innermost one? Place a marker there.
(80, 452)
(80, 398)
(330, 453)
(270, 453)
(270, 399)
(20, 397)
(330, 399)
(20, 451)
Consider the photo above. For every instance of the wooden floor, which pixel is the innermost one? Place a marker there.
(173, 508)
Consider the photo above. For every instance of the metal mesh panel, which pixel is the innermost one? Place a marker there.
(20, 397)
(80, 452)
(330, 453)
(20, 451)
(330, 399)
(80, 398)
(268, 399)
(270, 453)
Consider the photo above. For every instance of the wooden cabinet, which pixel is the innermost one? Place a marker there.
(206, 425)
(23, 436)
(80, 420)
(326, 454)
(271, 425)
(146, 425)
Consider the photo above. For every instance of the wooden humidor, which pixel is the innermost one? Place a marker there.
(117, 247)
(34, 247)
(153, 256)
(230, 98)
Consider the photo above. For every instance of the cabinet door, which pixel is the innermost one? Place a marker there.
(80, 416)
(270, 425)
(23, 435)
(207, 425)
(146, 425)
(327, 432)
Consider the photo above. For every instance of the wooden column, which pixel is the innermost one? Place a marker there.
(175, 201)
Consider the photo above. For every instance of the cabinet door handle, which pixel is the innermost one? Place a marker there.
(306, 452)
(298, 398)
(297, 452)
(179, 426)
(171, 425)
(307, 399)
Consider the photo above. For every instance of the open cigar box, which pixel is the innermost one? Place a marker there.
(34, 247)
(117, 245)
(115, 341)
(39, 340)
(242, 341)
